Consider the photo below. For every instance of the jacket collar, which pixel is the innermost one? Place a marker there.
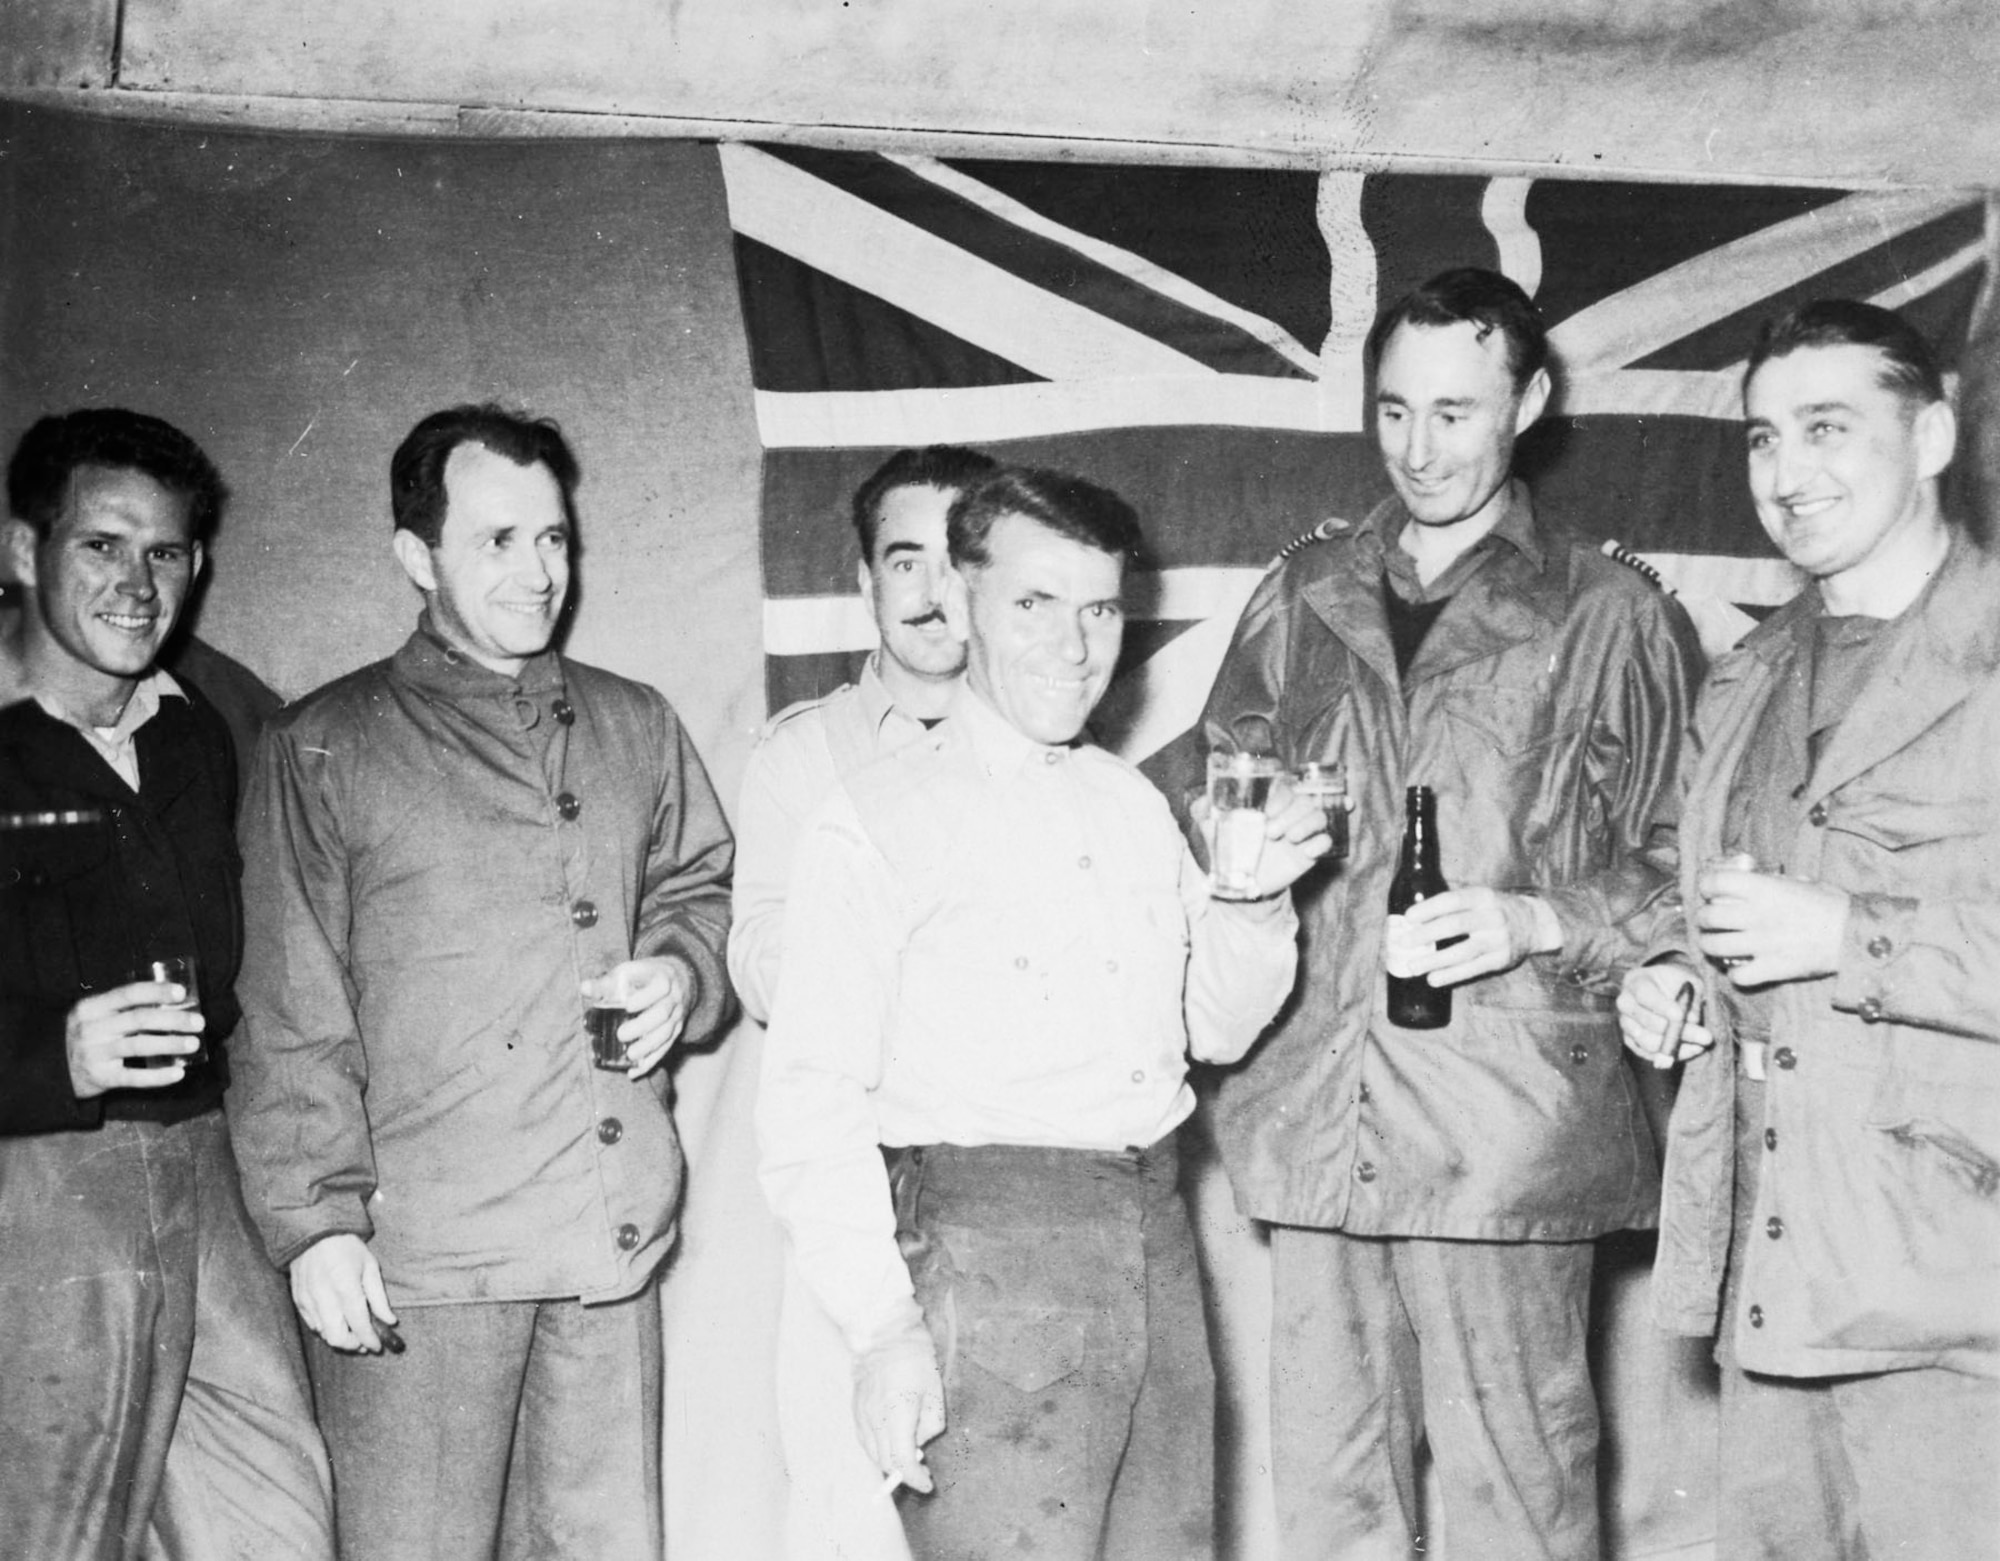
(1946, 646)
(1520, 588)
(437, 668)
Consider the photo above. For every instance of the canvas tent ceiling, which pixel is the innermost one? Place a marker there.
(1859, 92)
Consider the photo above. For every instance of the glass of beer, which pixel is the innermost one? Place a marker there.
(1324, 781)
(602, 1019)
(1239, 791)
(185, 972)
(1730, 862)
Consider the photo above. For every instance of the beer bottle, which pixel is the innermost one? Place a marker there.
(1414, 1003)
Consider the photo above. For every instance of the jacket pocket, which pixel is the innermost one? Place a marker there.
(1508, 718)
(1897, 822)
(51, 880)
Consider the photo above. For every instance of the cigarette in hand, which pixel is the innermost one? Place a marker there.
(1670, 1052)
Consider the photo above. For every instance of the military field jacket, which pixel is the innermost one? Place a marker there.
(1876, 1236)
(434, 856)
(1544, 708)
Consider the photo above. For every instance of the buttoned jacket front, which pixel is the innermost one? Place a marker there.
(435, 856)
(1544, 709)
(1875, 1242)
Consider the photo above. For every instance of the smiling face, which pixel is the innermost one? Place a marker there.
(1044, 619)
(499, 576)
(1447, 414)
(903, 585)
(107, 583)
(1843, 469)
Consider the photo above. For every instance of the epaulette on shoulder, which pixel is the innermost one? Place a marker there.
(1327, 529)
(796, 709)
(1619, 553)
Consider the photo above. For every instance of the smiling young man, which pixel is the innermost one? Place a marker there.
(152, 1397)
(448, 856)
(1834, 1150)
(998, 957)
(1433, 1195)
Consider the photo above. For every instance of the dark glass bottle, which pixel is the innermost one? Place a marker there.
(1414, 1003)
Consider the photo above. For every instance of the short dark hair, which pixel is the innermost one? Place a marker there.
(1909, 366)
(49, 454)
(1068, 506)
(948, 466)
(416, 470)
(1470, 295)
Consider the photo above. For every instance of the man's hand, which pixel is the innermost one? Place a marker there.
(337, 1287)
(107, 1029)
(1659, 1009)
(899, 1406)
(658, 993)
(1295, 836)
(1500, 930)
(1769, 928)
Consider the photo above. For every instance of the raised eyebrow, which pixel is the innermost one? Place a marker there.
(893, 548)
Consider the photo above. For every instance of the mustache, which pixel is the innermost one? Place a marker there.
(935, 615)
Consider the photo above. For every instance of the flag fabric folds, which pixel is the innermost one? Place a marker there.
(1191, 337)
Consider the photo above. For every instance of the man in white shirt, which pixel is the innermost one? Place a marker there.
(905, 688)
(998, 956)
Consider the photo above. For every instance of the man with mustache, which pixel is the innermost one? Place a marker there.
(1833, 1156)
(905, 687)
(998, 956)
(1433, 1194)
(449, 856)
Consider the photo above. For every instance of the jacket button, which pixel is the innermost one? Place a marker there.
(563, 712)
(1816, 814)
(1880, 948)
(1770, 1138)
(1870, 1010)
(610, 1130)
(1083, 862)
(1579, 1054)
(1756, 1316)
(1365, 1171)
(567, 807)
(1785, 1058)
(628, 1237)
(1774, 1227)
(583, 913)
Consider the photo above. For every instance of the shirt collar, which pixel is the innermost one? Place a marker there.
(139, 709)
(878, 706)
(998, 747)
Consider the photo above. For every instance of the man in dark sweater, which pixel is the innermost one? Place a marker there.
(152, 1394)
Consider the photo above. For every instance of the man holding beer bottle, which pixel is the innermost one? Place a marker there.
(1434, 1192)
